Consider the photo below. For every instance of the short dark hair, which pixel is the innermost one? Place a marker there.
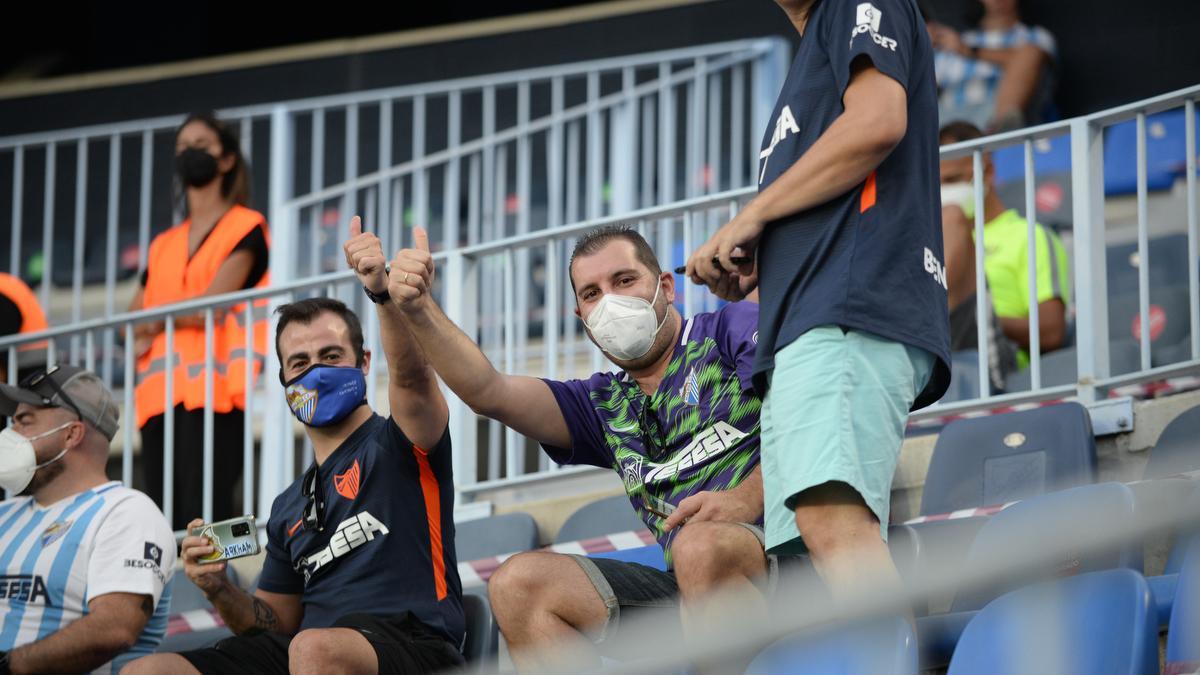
(957, 132)
(305, 311)
(600, 237)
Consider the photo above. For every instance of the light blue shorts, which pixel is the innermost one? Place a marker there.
(836, 411)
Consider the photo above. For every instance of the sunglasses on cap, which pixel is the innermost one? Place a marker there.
(36, 379)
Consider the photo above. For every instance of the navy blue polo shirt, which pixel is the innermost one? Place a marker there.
(388, 540)
(870, 259)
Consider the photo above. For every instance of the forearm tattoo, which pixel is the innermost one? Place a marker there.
(264, 616)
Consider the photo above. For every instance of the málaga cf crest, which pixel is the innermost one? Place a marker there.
(302, 401)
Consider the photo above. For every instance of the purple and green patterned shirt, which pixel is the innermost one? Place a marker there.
(698, 432)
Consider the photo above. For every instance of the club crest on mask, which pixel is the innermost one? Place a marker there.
(302, 401)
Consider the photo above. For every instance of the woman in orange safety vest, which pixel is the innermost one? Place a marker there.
(222, 247)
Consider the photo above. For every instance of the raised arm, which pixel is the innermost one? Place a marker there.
(414, 399)
(525, 404)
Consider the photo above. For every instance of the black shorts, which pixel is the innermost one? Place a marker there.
(402, 644)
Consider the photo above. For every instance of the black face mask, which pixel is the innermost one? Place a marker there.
(196, 168)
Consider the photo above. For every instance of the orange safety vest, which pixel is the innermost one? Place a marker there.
(172, 278)
(33, 319)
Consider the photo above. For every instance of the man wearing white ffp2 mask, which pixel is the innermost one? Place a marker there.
(678, 422)
(87, 562)
(625, 326)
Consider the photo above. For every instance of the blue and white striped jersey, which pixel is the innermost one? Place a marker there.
(968, 85)
(55, 559)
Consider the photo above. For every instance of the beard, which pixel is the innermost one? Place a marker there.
(43, 477)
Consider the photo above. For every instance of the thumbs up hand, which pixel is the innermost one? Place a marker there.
(364, 255)
(412, 274)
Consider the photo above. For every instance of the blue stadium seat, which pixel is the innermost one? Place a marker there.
(494, 535)
(1052, 197)
(1185, 537)
(1076, 514)
(1176, 353)
(1101, 622)
(1058, 367)
(1170, 319)
(1052, 167)
(880, 646)
(1168, 264)
(1050, 155)
(1183, 635)
(1166, 157)
(604, 516)
(907, 546)
(650, 556)
(1177, 450)
(1155, 497)
(482, 639)
(1079, 513)
(1062, 366)
(964, 376)
(1001, 458)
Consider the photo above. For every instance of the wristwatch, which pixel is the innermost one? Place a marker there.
(377, 298)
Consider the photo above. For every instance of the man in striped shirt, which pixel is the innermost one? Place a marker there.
(86, 563)
(996, 76)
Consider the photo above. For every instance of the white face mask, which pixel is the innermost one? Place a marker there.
(961, 195)
(18, 461)
(625, 325)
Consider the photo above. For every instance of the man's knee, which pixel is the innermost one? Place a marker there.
(314, 647)
(520, 579)
(712, 551)
(540, 582)
(156, 664)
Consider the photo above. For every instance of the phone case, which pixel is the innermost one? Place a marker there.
(233, 538)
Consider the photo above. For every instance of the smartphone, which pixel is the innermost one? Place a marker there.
(736, 260)
(233, 538)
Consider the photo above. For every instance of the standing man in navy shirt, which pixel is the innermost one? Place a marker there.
(360, 574)
(853, 327)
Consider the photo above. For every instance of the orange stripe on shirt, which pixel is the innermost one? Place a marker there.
(867, 200)
(433, 513)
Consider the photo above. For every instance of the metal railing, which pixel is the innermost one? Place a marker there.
(510, 458)
(499, 154)
(485, 288)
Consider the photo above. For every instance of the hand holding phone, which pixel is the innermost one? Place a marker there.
(233, 538)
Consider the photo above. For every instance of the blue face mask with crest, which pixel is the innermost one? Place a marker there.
(324, 395)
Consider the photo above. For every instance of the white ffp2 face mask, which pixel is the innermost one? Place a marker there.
(961, 195)
(625, 325)
(18, 461)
